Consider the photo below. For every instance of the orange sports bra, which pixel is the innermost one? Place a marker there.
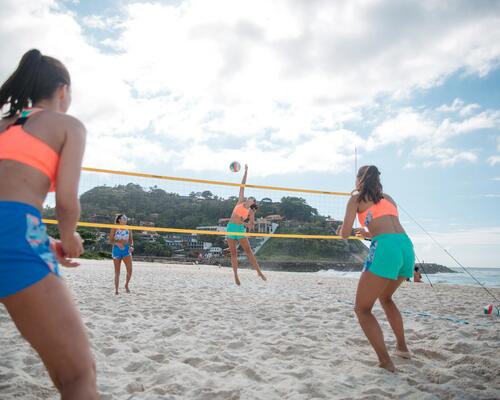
(383, 207)
(18, 145)
(241, 211)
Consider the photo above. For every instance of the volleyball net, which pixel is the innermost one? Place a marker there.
(186, 218)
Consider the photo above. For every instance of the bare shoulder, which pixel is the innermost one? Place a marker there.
(63, 121)
(354, 198)
(386, 196)
(73, 124)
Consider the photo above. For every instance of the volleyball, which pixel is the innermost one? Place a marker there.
(235, 166)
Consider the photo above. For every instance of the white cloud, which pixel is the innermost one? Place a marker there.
(494, 160)
(100, 22)
(408, 124)
(279, 79)
(456, 106)
(430, 132)
(473, 247)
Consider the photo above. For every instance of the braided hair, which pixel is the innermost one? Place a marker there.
(370, 188)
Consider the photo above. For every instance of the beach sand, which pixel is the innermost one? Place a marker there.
(187, 332)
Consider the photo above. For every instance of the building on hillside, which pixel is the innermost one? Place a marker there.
(223, 221)
(275, 218)
(214, 252)
(262, 225)
(214, 228)
(146, 223)
(148, 236)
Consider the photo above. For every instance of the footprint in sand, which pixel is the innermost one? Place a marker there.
(193, 361)
(170, 332)
(135, 387)
(159, 358)
(134, 366)
(107, 351)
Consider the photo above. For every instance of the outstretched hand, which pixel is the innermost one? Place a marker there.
(61, 258)
(361, 232)
(339, 230)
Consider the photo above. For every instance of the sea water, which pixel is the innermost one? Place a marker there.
(489, 277)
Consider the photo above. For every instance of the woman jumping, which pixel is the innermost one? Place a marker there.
(243, 217)
(390, 260)
(123, 246)
(41, 150)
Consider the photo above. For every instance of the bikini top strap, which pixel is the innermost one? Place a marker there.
(20, 121)
(25, 114)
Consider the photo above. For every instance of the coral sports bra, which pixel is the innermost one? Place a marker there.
(382, 208)
(241, 211)
(18, 145)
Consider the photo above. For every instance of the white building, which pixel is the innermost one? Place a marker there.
(214, 252)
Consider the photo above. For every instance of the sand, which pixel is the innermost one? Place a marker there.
(187, 332)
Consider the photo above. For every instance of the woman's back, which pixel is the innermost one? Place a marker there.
(20, 181)
(379, 224)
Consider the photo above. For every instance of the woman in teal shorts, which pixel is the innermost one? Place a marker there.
(390, 260)
(242, 217)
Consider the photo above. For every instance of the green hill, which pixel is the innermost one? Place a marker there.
(156, 207)
(328, 250)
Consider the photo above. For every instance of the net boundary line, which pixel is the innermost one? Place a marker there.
(201, 232)
(210, 182)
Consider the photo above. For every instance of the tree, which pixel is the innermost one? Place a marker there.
(207, 195)
(297, 208)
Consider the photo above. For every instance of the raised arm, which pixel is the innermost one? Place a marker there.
(243, 182)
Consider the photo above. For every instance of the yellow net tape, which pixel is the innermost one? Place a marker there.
(173, 178)
(199, 232)
(206, 232)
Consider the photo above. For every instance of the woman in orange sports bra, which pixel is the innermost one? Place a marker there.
(41, 149)
(390, 260)
(243, 217)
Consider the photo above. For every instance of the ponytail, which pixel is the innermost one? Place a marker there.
(370, 185)
(37, 77)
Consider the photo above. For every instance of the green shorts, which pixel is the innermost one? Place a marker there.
(391, 256)
(235, 228)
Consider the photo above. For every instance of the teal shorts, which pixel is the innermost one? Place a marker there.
(391, 256)
(235, 228)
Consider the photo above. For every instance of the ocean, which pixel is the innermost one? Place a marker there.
(489, 277)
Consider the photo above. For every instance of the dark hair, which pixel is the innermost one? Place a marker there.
(254, 206)
(118, 217)
(36, 77)
(370, 186)
(416, 268)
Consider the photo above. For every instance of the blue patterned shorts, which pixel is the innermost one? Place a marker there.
(25, 254)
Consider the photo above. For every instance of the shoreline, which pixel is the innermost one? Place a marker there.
(289, 266)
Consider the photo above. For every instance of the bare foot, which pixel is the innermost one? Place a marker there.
(127, 289)
(116, 292)
(403, 354)
(237, 280)
(263, 277)
(388, 365)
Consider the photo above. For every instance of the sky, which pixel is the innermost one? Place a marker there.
(292, 87)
